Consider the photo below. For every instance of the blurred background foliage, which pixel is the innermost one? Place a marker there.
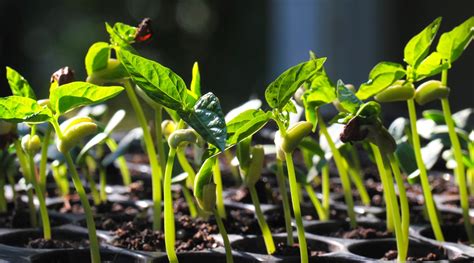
(240, 45)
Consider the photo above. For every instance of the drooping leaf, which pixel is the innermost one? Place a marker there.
(97, 57)
(133, 135)
(347, 98)
(114, 121)
(246, 124)
(19, 85)
(280, 91)
(207, 119)
(430, 66)
(380, 78)
(21, 109)
(451, 44)
(418, 47)
(434, 115)
(160, 83)
(75, 94)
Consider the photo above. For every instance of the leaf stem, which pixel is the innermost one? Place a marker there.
(42, 203)
(266, 233)
(186, 167)
(219, 190)
(44, 158)
(169, 212)
(295, 200)
(286, 203)
(159, 137)
(26, 174)
(225, 237)
(425, 184)
(189, 200)
(93, 188)
(93, 241)
(346, 184)
(358, 183)
(122, 163)
(323, 216)
(383, 175)
(325, 189)
(156, 172)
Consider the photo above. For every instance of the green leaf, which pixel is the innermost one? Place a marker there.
(21, 109)
(347, 98)
(121, 34)
(97, 57)
(207, 119)
(75, 94)
(114, 121)
(253, 104)
(406, 157)
(96, 140)
(430, 66)
(435, 115)
(451, 44)
(246, 124)
(19, 85)
(196, 80)
(380, 77)
(280, 91)
(418, 47)
(160, 83)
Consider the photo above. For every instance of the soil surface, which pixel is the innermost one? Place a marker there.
(361, 232)
(392, 255)
(41, 243)
(283, 250)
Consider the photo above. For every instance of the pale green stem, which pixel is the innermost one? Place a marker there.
(122, 163)
(183, 162)
(93, 241)
(42, 203)
(286, 203)
(225, 237)
(156, 172)
(325, 189)
(160, 147)
(266, 233)
(358, 183)
(44, 158)
(94, 193)
(323, 216)
(384, 173)
(190, 201)
(26, 174)
(219, 190)
(425, 184)
(233, 169)
(169, 212)
(103, 193)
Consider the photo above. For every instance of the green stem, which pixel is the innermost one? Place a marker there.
(266, 233)
(26, 174)
(325, 189)
(94, 193)
(225, 237)
(425, 184)
(219, 190)
(383, 175)
(159, 137)
(183, 161)
(44, 158)
(295, 200)
(460, 170)
(122, 163)
(359, 184)
(346, 184)
(156, 171)
(169, 212)
(42, 203)
(286, 203)
(102, 178)
(317, 204)
(190, 201)
(233, 169)
(405, 210)
(93, 241)
(395, 211)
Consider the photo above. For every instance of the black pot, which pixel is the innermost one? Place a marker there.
(207, 256)
(330, 228)
(83, 255)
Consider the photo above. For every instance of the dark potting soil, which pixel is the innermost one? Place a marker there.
(457, 202)
(41, 243)
(243, 222)
(361, 232)
(75, 207)
(191, 235)
(392, 255)
(265, 194)
(20, 218)
(284, 250)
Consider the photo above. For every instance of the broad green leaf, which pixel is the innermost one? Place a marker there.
(451, 44)
(289, 107)
(430, 66)
(121, 34)
(196, 80)
(21, 109)
(160, 83)
(97, 57)
(419, 46)
(434, 115)
(254, 104)
(19, 85)
(207, 119)
(75, 94)
(280, 91)
(246, 124)
(347, 98)
(320, 92)
(380, 77)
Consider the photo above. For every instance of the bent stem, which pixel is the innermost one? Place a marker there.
(169, 213)
(219, 189)
(286, 203)
(225, 238)
(156, 171)
(266, 233)
(26, 173)
(295, 200)
(94, 243)
(346, 184)
(322, 213)
(42, 203)
(122, 163)
(183, 162)
(425, 184)
(44, 158)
